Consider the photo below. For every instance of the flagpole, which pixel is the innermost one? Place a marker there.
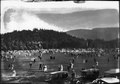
(118, 49)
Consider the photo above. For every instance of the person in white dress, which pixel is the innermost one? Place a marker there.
(61, 67)
(14, 73)
(45, 68)
(72, 65)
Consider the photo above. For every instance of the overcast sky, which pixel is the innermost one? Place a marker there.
(60, 16)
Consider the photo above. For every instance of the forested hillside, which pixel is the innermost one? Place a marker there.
(37, 39)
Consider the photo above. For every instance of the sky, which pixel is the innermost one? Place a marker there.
(59, 16)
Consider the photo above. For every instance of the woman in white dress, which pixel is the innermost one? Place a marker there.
(14, 73)
(61, 67)
(45, 68)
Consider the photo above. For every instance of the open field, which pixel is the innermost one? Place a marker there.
(106, 61)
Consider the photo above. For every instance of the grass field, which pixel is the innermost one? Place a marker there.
(21, 64)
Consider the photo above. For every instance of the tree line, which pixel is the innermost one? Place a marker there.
(37, 39)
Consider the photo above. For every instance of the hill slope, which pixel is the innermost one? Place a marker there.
(37, 39)
(98, 33)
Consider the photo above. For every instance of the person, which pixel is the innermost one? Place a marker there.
(54, 57)
(108, 60)
(13, 58)
(45, 68)
(9, 66)
(84, 61)
(94, 59)
(93, 66)
(73, 60)
(78, 82)
(83, 69)
(30, 64)
(97, 63)
(68, 67)
(40, 66)
(73, 74)
(99, 55)
(7, 58)
(34, 60)
(77, 56)
(40, 57)
(14, 73)
(61, 67)
(12, 66)
(72, 65)
(50, 57)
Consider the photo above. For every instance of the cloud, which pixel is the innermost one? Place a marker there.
(59, 16)
(20, 20)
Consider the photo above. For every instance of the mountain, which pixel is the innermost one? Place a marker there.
(106, 34)
(83, 19)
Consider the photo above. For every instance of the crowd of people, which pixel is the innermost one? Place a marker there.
(10, 57)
